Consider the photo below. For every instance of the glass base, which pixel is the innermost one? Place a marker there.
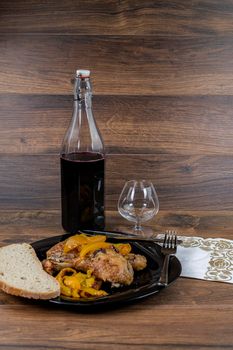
(144, 231)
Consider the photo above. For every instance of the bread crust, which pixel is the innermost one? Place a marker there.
(23, 293)
(14, 290)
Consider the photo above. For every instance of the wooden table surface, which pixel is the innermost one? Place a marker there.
(163, 100)
(190, 314)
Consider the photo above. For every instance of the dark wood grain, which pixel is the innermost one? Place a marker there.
(163, 85)
(196, 18)
(131, 326)
(142, 65)
(31, 225)
(182, 182)
(181, 125)
(186, 306)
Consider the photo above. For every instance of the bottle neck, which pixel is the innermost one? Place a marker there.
(83, 134)
(83, 91)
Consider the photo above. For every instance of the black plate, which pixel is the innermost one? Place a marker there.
(145, 282)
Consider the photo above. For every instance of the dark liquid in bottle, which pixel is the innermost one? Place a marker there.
(82, 189)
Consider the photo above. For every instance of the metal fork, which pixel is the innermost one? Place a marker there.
(169, 247)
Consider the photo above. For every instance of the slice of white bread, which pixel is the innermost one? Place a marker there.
(22, 274)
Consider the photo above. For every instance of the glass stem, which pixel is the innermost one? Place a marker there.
(138, 227)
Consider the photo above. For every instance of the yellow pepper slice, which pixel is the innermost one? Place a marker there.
(79, 240)
(94, 246)
(89, 282)
(124, 248)
(66, 272)
(93, 292)
(73, 242)
(72, 282)
(97, 238)
(65, 290)
(75, 294)
(77, 284)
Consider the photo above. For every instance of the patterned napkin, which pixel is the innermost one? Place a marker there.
(207, 259)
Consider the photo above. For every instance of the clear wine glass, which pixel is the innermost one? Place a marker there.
(138, 202)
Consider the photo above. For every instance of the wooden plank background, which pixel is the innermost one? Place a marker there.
(163, 85)
(162, 75)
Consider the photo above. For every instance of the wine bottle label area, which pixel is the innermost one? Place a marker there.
(82, 178)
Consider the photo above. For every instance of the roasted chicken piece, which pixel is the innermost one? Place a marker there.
(106, 264)
(57, 259)
(137, 261)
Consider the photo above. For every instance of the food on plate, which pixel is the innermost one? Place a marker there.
(101, 260)
(22, 274)
(77, 284)
(75, 268)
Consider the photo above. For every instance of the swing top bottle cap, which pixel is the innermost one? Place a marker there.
(83, 73)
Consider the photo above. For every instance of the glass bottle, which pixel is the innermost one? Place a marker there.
(82, 164)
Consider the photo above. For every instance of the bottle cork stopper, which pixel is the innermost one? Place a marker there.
(83, 73)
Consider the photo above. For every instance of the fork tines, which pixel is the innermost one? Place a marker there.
(170, 240)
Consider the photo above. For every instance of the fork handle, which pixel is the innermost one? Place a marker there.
(163, 280)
